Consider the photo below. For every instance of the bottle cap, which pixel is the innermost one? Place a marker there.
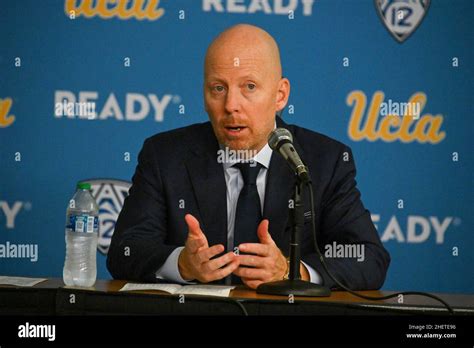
(83, 186)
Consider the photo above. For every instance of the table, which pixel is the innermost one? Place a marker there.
(128, 317)
(52, 297)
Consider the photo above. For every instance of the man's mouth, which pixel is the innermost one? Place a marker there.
(235, 129)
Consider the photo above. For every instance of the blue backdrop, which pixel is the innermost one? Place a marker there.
(143, 71)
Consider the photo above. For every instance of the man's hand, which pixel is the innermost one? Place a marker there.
(195, 262)
(268, 264)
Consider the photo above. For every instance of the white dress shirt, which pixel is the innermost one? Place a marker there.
(234, 183)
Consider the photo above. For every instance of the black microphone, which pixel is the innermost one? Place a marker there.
(281, 141)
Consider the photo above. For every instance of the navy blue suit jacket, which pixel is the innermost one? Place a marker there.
(179, 167)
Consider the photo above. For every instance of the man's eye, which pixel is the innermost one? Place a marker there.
(251, 86)
(218, 88)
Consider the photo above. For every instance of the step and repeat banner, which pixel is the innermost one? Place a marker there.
(84, 82)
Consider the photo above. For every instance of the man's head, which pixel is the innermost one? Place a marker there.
(243, 86)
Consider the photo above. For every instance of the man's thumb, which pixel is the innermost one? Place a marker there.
(263, 234)
(193, 226)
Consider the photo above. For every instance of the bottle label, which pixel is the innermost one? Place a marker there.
(83, 223)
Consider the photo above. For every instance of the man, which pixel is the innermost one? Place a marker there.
(188, 214)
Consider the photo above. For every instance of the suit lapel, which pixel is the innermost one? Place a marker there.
(208, 181)
(278, 192)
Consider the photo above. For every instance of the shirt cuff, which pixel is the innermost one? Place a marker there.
(314, 276)
(170, 270)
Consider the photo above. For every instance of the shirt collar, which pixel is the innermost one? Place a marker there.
(263, 157)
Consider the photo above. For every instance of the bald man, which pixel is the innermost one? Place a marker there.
(194, 215)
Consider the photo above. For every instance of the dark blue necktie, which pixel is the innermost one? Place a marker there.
(249, 213)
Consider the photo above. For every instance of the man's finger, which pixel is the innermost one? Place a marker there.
(225, 271)
(251, 273)
(208, 253)
(251, 260)
(262, 232)
(215, 264)
(254, 248)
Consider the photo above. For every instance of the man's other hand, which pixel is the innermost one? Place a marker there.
(267, 264)
(195, 262)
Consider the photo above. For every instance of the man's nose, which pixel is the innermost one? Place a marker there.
(233, 100)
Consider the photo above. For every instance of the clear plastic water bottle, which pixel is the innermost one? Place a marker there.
(82, 224)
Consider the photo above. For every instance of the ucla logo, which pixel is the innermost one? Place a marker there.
(109, 195)
(5, 118)
(123, 9)
(365, 124)
(401, 17)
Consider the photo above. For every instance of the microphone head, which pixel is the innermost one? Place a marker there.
(278, 137)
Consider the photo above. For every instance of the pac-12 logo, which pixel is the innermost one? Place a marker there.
(109, 195)
(401, 17)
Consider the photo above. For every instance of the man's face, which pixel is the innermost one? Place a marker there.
(240, 95)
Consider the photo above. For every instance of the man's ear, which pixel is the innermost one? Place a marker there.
(283, 93)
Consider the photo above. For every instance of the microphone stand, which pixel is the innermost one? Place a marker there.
(294, 285)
